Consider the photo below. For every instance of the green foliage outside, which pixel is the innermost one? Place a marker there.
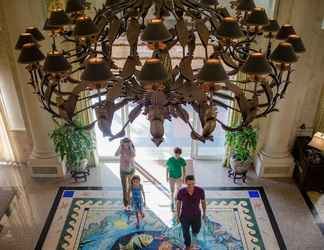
(72, 143)
(242, 143)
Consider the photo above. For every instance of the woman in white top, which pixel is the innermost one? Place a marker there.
(126, 151)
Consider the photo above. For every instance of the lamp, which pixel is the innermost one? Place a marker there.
(30, 54)
(156, 31)
(35, 33)
(257, 17)
(285, 31)
(229, 28)
(96, 71)
(85, 27)
(246, 5)
(284, 53)
(297, 43)
(317, 141)
(256, 64)
(153, 71)
(23, 39)
(58, 18)
(55, 62)
(272, 26)
(212, 71)
(73, 6)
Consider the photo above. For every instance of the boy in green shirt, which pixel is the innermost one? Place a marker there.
(176, 172)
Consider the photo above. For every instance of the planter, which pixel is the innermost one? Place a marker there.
(80, 172)
(239, 169)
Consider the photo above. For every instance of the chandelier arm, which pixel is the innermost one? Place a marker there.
(227, 128)
(228, 63)
(286, 82)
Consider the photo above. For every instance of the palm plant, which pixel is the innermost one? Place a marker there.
(73, 143)
(242, 143)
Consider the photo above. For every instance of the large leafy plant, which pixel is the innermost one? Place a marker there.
(73, 143)
(242, 143)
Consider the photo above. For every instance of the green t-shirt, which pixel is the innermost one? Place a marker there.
(175, 167)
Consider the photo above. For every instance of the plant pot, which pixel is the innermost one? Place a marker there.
(81, 171)
(240, 167)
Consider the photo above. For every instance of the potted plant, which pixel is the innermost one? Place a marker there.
(73, 143)
(242, 144)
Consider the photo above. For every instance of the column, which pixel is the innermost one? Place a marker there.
(43, 161)
(274, 158)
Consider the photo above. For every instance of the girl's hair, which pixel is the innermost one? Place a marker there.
(135, 177)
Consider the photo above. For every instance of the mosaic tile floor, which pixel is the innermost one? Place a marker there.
(92, 218)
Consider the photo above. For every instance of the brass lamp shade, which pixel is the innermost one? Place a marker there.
(155, 31)
(256, 64)
(55, 62)
(212, 71)
(30, 54)
(35, 33)
(153, 71)
(258, 17)
(229, 28)
(246, 5)
(58, 18)
(85, 27)
(273, 26)
(317, 141)
(23, 39)
(285, 31)
(297, 43)
(96, 71)
(73, 6)
(209, 2)
(284, 53)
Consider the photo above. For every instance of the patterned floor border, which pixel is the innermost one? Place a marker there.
(62, 189)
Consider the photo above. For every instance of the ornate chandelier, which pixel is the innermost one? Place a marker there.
(236, 67)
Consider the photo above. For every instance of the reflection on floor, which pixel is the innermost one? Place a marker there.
(315, 201)
(91, 218)
(23, 228)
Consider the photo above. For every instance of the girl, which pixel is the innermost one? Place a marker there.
(126, 151)
(137, 194)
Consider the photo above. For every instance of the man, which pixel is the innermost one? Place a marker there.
(189, 199)
(175, 172)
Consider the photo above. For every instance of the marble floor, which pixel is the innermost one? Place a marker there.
(295, 220)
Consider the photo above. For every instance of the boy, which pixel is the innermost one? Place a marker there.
(175, 172)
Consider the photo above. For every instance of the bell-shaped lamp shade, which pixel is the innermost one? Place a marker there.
(35, 33)
(284, 53)
(96, 71)
(73, 6)
(256, 64)
(229, 28)
(317, 141)
(46, 27)
(246, 5)
(155, 31)
(297, 43)
(23, 39)
(285, 31)
(272, 26)
(55, 62)
(212, 71)
(153, 71)
(209, 2)
(58, 18)
(30, 53)
(85, 27)
(258, 17)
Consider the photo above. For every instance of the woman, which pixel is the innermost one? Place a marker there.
(126, 151)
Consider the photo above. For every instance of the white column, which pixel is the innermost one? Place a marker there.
(274, 158)
(43, 161)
